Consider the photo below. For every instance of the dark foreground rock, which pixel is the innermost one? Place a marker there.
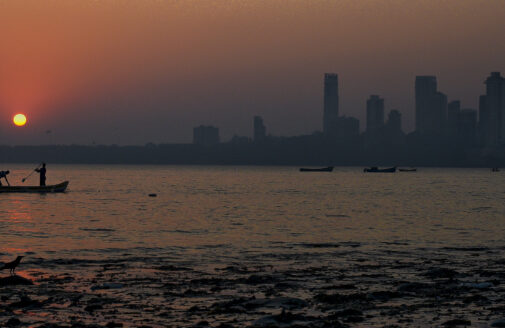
(14, 280)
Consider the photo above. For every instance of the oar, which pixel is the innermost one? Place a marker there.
(29, 175)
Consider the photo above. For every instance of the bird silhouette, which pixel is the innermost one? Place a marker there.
(12, 265)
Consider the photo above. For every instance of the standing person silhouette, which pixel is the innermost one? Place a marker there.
(3, 174)
(42, 172)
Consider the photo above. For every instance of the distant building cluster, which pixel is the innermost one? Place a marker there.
(206, 135)
(443, 129)
(436, 118)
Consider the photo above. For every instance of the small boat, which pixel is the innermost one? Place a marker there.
(408, 170)
(60, 187)
(495, 169)
(375, 169)
(323, 169)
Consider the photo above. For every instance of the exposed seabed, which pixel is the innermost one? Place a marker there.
(307, 285)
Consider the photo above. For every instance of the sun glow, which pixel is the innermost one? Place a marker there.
(19, 119)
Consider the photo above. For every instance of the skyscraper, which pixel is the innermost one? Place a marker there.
(431, 107)
(483, 120)
(494, 130)
(374, 115)
(259, 129)
(394, 123)
(468, 126)
(453, 111)
(426, 88)
(330, 115)
(205, 135)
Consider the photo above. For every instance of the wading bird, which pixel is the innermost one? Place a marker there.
(12, 265)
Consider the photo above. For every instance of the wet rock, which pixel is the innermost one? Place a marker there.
(83, 325)
(283, 318)
(479, 285)
(457, 322)
(438, 273)
(14, 281)
(475, 299)
(108, 285)
(13, 322)
(354, 319)
(341, 287)
(114, 325)
(384, 295)
(413, 287)
(233, 306)
(51, 325)
(289, 303)
(25, 302)
(346, 313)
(259, 279)
(339, 298)
(225, 325)
(93, 307)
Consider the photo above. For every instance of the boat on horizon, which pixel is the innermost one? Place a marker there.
(323, 169)
(375, 169)
(60, 187)
(412, 169)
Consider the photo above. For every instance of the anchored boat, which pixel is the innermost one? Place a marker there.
(61, 187)
(324, 169)
(412, 169)
(375, 169)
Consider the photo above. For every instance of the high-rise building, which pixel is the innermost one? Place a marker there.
(330, 115)
(453, 111)
(205, 135)
(437, 121)
(426, 88)
(483, 120)
(494, 130)
(394, 124)
(431, 107)
(468, 126)
(259, 129)
(374, 115)
(346, 128)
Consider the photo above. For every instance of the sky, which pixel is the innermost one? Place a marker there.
(138, 71)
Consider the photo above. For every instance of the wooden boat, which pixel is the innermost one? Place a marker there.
(323, 169)
(408, 170)
(375, 169)
(61, 187)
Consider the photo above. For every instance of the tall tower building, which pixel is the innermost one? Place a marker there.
(468, 126)
(437, 121)
(426, 88)
(395, 121)
(495, 109)
(483, 120)
(260, 130)
(374, 115)
(330, 115)
(205, 135)
(431, 106)
(453, 114)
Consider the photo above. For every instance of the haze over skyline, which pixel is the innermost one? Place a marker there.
(131, 72)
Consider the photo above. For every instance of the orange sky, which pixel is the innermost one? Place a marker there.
(134, 71)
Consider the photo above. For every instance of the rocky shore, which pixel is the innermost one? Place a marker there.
(311, 285)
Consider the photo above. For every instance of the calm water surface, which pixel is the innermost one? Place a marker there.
(107, 207)
(213, 218)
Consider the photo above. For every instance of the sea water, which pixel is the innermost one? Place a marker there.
(255, 246)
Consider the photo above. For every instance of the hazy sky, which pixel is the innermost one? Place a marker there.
(134, 71)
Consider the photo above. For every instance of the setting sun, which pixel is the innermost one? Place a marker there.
(19, 119)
